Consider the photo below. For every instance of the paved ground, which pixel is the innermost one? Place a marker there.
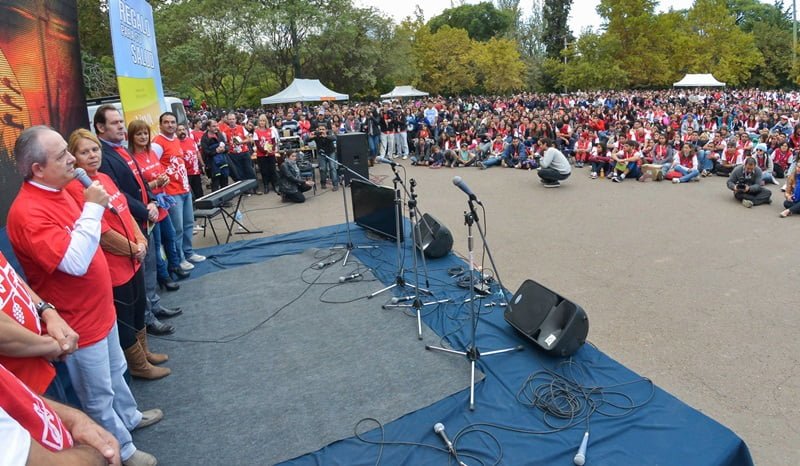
(681, 283)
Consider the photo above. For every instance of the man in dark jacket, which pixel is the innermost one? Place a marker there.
(745, 182)
(292, 186)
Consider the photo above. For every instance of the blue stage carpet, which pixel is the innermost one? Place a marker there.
(504, 429)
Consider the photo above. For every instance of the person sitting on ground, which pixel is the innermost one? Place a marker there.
(781, 158)
(764, 162)
(437, 159)
(465, 157)
(600, 161)
(745, 182)
(626, 162)
(730, 159)
(515, 155)
(792, 193)
(659, 160)
(583, 147)
(292, 186)
(554, 164)
(39, 432)
(685, 163)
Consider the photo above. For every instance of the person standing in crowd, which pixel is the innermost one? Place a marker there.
(168, 149)
(266, 145)
(326, 156)
(292, 186)
(555, 166)
(745, 182)
(212, 146)
(238, 149)
(125, 248)
(56, 241)
(373, 130)
(39, 432)
(194, 163)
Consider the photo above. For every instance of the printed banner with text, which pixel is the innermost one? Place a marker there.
(135, 56)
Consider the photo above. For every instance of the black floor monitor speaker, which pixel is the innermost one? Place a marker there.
(353, 152)
(433, 238)
(553, 322)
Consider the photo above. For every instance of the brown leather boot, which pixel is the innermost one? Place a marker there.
(139, 366)
(152, 358)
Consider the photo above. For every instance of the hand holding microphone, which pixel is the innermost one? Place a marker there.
(95, 192)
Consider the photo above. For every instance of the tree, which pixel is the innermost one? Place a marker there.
(500, 68)
(445, 60)
(481, 21)
(591, 64)
(555, 14)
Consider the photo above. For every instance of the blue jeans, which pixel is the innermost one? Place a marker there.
(688, 174)
(164, 234)
(328, 169)
(703, 161)
(492, 161)
(182, 217)
(97, 374)
(374, 143)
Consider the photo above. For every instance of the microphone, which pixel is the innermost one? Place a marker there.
(580, 458)
(463, 186)
(83, 178)
(383, 159)
(322, 265)
(352, 276)
(439, 429)
(398, 299)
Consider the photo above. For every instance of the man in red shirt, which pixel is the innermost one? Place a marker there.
(167, 147)
(56, 241)
(238, 149)
(38, 432)
(192, 160)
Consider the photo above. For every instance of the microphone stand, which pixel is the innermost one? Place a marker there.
(417, 304)
(472, 353)
(349, 246)
(399, 280)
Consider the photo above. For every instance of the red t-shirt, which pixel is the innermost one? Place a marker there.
(39, 227)
(32, 413)
(264, 143)
(190, 159)
(122, 267)
(230, 133)
(126, 156)
(151, 168)
(35, 372)
(172, 160)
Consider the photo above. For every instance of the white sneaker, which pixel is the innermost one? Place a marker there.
(676, 180)
(198, 228)
(593, 175)
(747, 203)
(186, 266)
(783, 188)
(140, 458)
(196, 258)
(405, 157)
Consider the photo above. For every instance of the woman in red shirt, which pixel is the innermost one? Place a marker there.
(124, 247)
(265, 142)
(155, 175)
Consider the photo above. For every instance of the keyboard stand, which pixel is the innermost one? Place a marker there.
(231, 215)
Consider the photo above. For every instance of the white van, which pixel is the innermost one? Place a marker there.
(174, 104)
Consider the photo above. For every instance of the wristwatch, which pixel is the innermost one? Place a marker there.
(43, 306)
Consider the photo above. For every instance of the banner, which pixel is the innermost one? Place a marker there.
(41, 79)
(133, 40)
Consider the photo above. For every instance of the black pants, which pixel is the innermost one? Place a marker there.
(794, 207)
(269, 172)
(196, 183)
(761, 197)
(242, 166)
(551, 175)
(298, 197)
(129, 301)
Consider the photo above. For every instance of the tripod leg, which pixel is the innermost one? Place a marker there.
(472, 386)
(419, 324)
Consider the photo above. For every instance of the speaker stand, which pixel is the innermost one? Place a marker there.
(472, 353)
(349, 247)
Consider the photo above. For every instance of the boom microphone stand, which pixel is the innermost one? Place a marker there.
(349, 246)
(472, 353)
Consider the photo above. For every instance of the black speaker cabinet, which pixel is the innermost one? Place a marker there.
(353, 152)
(433, 238)
(548, 319)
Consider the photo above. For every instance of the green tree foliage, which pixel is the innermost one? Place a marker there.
(445, 60)
(481, 21)
(591, 64)
(500, 67)
(555, 14)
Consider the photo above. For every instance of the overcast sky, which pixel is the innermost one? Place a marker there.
(582, 14)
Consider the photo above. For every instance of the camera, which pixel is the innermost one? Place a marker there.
(741, 186)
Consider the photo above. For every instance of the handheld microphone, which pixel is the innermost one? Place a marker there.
(399, 299)
(463, 186)
(580, 457)
(322, 265)
(83, 178)
(383, 159)
(352, 276)
(439, 429)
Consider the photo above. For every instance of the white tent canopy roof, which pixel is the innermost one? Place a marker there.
(404, 91)
(304, 90)
(698, 80)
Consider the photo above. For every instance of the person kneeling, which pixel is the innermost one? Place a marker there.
(292, 186)
(745, 182)
(554, 165)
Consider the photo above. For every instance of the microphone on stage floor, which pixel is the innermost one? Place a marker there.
(83, 178)
(399, 299)
(352, 276)
(439, 429)
(322, 265)
(383, 159)
(580, 458)
(463, 186)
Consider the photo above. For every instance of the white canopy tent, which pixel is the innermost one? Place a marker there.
(404, 91)
(698, 80)
(304, 90)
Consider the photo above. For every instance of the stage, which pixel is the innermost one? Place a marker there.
(634, 422)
